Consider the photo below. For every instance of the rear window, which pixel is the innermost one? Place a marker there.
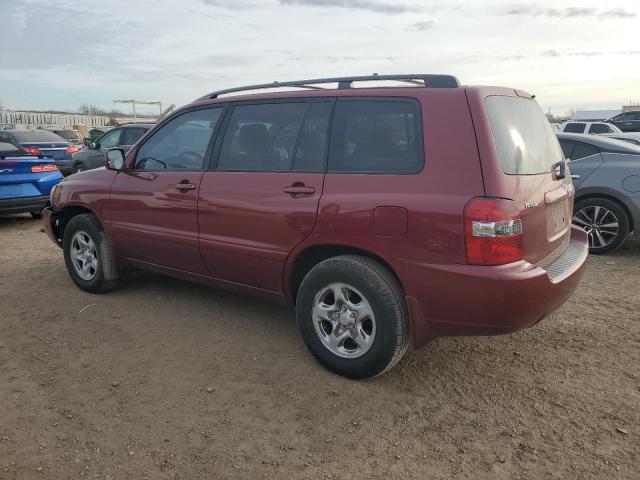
(37, 136)
(67, 134)
(7, 149)
(574, 127)
(525, 142)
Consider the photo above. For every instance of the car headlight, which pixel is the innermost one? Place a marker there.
(54, 195)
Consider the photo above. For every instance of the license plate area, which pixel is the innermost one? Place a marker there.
(558, 219)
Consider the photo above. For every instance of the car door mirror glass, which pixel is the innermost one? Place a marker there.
(114, 159)
(93, 146)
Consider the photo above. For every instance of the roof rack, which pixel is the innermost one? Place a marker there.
(425, 80)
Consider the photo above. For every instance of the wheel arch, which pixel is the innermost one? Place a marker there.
(633, 220)
(65, 214)
(299, 264)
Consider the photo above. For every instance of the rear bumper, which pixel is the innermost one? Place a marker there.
(452, 300)
(21, 205)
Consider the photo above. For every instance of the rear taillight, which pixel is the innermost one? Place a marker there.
(33, 150)
(72, 149)
(47, 167)
(493, 231)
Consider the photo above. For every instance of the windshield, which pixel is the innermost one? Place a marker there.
(525, 142)
(37, 136)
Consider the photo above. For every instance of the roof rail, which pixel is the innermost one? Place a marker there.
(425, 80)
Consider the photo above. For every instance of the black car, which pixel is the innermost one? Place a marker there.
(93, 157)
(627, 121)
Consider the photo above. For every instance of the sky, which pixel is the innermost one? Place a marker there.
(574, 54)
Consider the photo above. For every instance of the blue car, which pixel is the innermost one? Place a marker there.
(42, 142)
(25, 180)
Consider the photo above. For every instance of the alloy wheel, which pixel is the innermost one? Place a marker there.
(84, 256)
(600, 223)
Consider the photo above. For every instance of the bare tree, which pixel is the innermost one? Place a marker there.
(85, 109)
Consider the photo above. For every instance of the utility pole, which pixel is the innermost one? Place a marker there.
(139, 102)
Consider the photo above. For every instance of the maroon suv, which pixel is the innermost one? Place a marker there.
(387, 215)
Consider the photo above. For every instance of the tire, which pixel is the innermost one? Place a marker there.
(607, 239)
(383, 335)
(83, 232)
(79, 167)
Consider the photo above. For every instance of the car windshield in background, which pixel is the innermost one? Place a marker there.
(525, 141)
(37, 136)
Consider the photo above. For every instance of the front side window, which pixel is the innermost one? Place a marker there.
(600, 128)
(567, 148)
(376, 136)
(110, 139)
(574, 127)
(181, 143)
(525, 142)
(132, 135)
(262, 137)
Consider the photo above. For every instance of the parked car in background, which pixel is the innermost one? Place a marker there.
(606, 174)
(42, 142)
(25, 180)
(70, 135)
(630, 137)
(588, 127)
(343, 202)
(627, 121)
(93, 156)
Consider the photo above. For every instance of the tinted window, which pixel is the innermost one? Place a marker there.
(525, 142)
(376, 137)
(37, 136)
(9, 149)
(567, 147)
(110, 139)
(132, 135)
(574, 127)
(67, 134)
(181, 143)
(599, 128)
(262, 137)
(583, 150)
(312, 148)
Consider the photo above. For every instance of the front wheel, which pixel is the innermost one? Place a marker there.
(352, 316)
(87, 254)
(605, 222)
(79, 167)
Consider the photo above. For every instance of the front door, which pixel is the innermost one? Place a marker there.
(105, 142)
(154, 202)
(261, 199)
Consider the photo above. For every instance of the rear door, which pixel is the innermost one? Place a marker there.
(520, 155)
(583, 159)
(154, 202)
(261, 198)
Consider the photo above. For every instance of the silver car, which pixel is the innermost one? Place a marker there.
(606, 174)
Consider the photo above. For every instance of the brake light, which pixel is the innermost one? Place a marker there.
(46, 167)
(72, 149)
(493, 231)
(33, 150)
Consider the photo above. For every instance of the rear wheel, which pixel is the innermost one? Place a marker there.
(605, 222)
(87, 254)
(352, 316)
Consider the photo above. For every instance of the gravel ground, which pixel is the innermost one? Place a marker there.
(166, 379)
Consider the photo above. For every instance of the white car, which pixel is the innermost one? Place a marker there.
(589, 127)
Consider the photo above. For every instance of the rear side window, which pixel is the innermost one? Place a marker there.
(600, 128)
(312, 146)
(181, 143)
(574, 127)
(583, 150)
(262, 137)
(567, 148)
(525, 142)
(374, 136)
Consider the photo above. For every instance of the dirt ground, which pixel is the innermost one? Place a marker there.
(166, 379)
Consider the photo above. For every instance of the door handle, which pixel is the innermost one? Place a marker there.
(299, 189)
(573, 175)
(185, 186)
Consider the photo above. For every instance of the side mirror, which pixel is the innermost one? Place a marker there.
(114, 159)
(93, 146)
